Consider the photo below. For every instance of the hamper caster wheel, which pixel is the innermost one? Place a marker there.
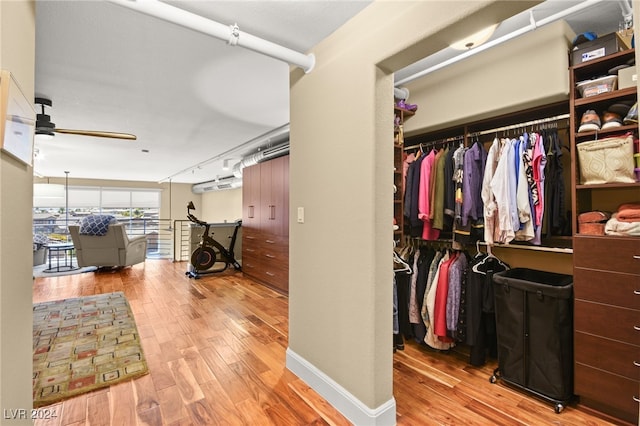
(493, 379)
(559, 408)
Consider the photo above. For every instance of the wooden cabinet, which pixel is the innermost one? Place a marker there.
(606, 270)
(265, 221)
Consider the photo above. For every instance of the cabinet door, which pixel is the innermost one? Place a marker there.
(285, 197)
(251, 198)
(267, 209)
(275, 213)
(280, 209)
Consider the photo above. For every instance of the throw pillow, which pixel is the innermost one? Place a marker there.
(96, 224)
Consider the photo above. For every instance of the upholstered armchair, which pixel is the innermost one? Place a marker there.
(113, 248)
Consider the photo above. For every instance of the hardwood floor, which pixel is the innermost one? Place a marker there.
(216, 354)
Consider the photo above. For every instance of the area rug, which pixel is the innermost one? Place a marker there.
(38, 271)
(82, 344)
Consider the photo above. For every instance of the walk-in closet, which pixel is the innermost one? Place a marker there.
(497, 190)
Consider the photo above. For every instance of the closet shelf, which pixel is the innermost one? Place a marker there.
(605, 132)
(609, 185)
(533, 248)
(615, 94)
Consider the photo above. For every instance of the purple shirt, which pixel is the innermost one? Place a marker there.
(475, 159)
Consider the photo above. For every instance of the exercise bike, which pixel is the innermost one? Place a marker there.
(209, 251)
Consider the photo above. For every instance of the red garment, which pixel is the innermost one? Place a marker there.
(424, 197)
(440, 306)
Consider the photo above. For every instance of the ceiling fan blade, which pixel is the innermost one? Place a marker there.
(98, 134)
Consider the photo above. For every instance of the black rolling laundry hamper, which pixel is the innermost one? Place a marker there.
(534, 325)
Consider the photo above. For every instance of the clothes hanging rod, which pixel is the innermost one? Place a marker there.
(533, 25)
(436, 142)
(519, 125)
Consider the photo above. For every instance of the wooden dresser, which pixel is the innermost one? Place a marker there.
(265, 222)
(607, 324)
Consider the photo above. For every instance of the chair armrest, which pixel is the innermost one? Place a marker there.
(137, 238)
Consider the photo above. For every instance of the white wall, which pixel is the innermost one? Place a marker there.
(341, 173)
(222, 206)
(17, 50)
(528, 71)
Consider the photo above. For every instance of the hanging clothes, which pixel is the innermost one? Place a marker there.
(411, 205)
(439, 190)
(557, 223)
(440, 302)
(470, 228)
(424, 263)
(424, 197)
(449, 191)
(525, 219)
(480, 309)
(501, 188)
(539, 160)
(457, 278)
(490, 211)
(428, 311)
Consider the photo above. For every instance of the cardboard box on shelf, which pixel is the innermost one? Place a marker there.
(602, 46)
(625, 37)
(627, 77)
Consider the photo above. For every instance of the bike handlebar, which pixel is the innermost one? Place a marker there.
(194, 219)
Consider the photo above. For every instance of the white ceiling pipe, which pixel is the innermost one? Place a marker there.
(229, 33)
(532, 26)
(271, 138)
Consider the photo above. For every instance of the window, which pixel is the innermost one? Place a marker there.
(123, 203)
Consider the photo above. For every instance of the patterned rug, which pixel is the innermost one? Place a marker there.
(83, 344)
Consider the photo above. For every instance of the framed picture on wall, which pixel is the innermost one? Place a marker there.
(18, 120)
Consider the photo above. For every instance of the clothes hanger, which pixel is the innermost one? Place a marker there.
(405, 265)
(489, 257)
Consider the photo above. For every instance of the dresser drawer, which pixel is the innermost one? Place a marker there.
(607, 321)
(615, 357)
(275, 275)
(612, 288)
(607, 392)
(607, 253)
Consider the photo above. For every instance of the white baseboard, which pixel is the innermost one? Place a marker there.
(341, 399)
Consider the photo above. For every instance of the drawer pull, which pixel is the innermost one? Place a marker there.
(270, 256)
(249, 237)
(636, 327)
(251, 250)
(637, 257)
(270, 241)
(271, 274)
(636, 363)
(636, 292)
(250, 214)
(636, 399)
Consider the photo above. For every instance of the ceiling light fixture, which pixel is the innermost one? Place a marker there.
(533, 24)
(475, 40)
(44, 136)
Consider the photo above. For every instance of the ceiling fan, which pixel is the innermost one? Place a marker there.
(44, 126)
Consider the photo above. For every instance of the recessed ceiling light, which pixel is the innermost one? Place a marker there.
(145, 151)
(475, 40)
